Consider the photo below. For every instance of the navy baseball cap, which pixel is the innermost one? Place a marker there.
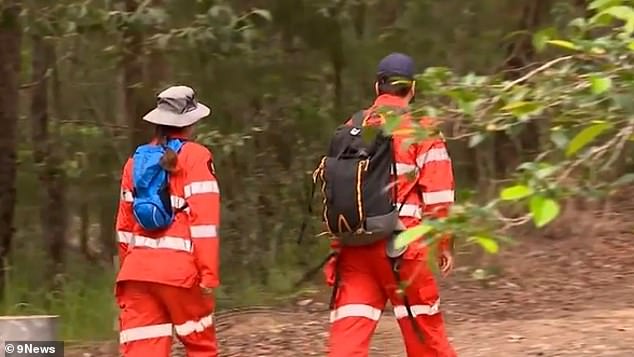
(396, 65)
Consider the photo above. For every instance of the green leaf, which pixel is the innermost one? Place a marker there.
(369, 133)
(559, 139)
(602, 4)
(479, 274)
(515, 193)
(528, 166)
(544, 210)
(624, 102)
(623, 13)
(515, 105)
(476, 139)
(599, 84)
(487, 243)
(468, 107)
(522, 108)
(585, 136)
(541, 37)
(410, 235)
(392, 120)
(217, 10)
(462, 96)
(564, 44)
(545, 172)
(265, 14)
(624, 180)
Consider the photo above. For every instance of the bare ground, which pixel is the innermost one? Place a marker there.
(570, 296)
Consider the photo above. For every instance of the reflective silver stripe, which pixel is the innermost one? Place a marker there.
(431, 198)
(355, 310)
(201, 187)
(145, 332)
(124, 237)
(409, 210)
(175, 243)
(435, 154)
(402, 169)
(203, 231)
(194, 326)
(400, 311)
(177, 202)
(126, 196)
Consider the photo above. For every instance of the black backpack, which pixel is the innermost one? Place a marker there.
(357, 176)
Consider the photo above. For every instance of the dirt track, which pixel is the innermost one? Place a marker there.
(580, 334)
(567, 297)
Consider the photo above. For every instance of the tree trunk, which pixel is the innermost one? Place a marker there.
(389, 12)
(57, 190)
(337, 60)
(84, 229)
(337, 72)
(359, 15)
(520, 54)
(10, 45)
(133, 79)
(107, 213)
(157, 71)
(158, 74)
(47, 159)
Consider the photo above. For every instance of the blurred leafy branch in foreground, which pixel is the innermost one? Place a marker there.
(581, 102)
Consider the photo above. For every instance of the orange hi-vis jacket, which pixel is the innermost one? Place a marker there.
(186, 253)
(425, 181)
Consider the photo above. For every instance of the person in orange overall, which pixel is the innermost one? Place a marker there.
(366, 276)
(166, 278)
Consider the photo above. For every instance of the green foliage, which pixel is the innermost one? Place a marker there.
(77, 294)
(543, 210)
(600, 85)
(585, 137)
(411, 235)
(563, 44)
(490, 245)
(279, 79)
(580, 96)
(516, 192)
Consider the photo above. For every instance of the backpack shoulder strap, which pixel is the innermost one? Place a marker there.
(176, 144)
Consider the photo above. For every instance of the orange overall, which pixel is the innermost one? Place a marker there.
(366, 279)
(158, 285)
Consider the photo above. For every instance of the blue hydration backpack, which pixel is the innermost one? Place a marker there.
(152, 205)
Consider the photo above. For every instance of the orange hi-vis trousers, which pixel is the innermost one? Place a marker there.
(366, 281)
(150, 312)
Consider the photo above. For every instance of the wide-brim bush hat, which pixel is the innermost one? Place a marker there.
(177, 106)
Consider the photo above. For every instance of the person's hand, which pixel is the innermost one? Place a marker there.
(445, 262)
(209, 292)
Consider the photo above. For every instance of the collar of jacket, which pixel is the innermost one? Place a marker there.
(390, 100)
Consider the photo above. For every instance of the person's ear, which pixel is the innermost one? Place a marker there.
(376, 88)
(412, 92)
